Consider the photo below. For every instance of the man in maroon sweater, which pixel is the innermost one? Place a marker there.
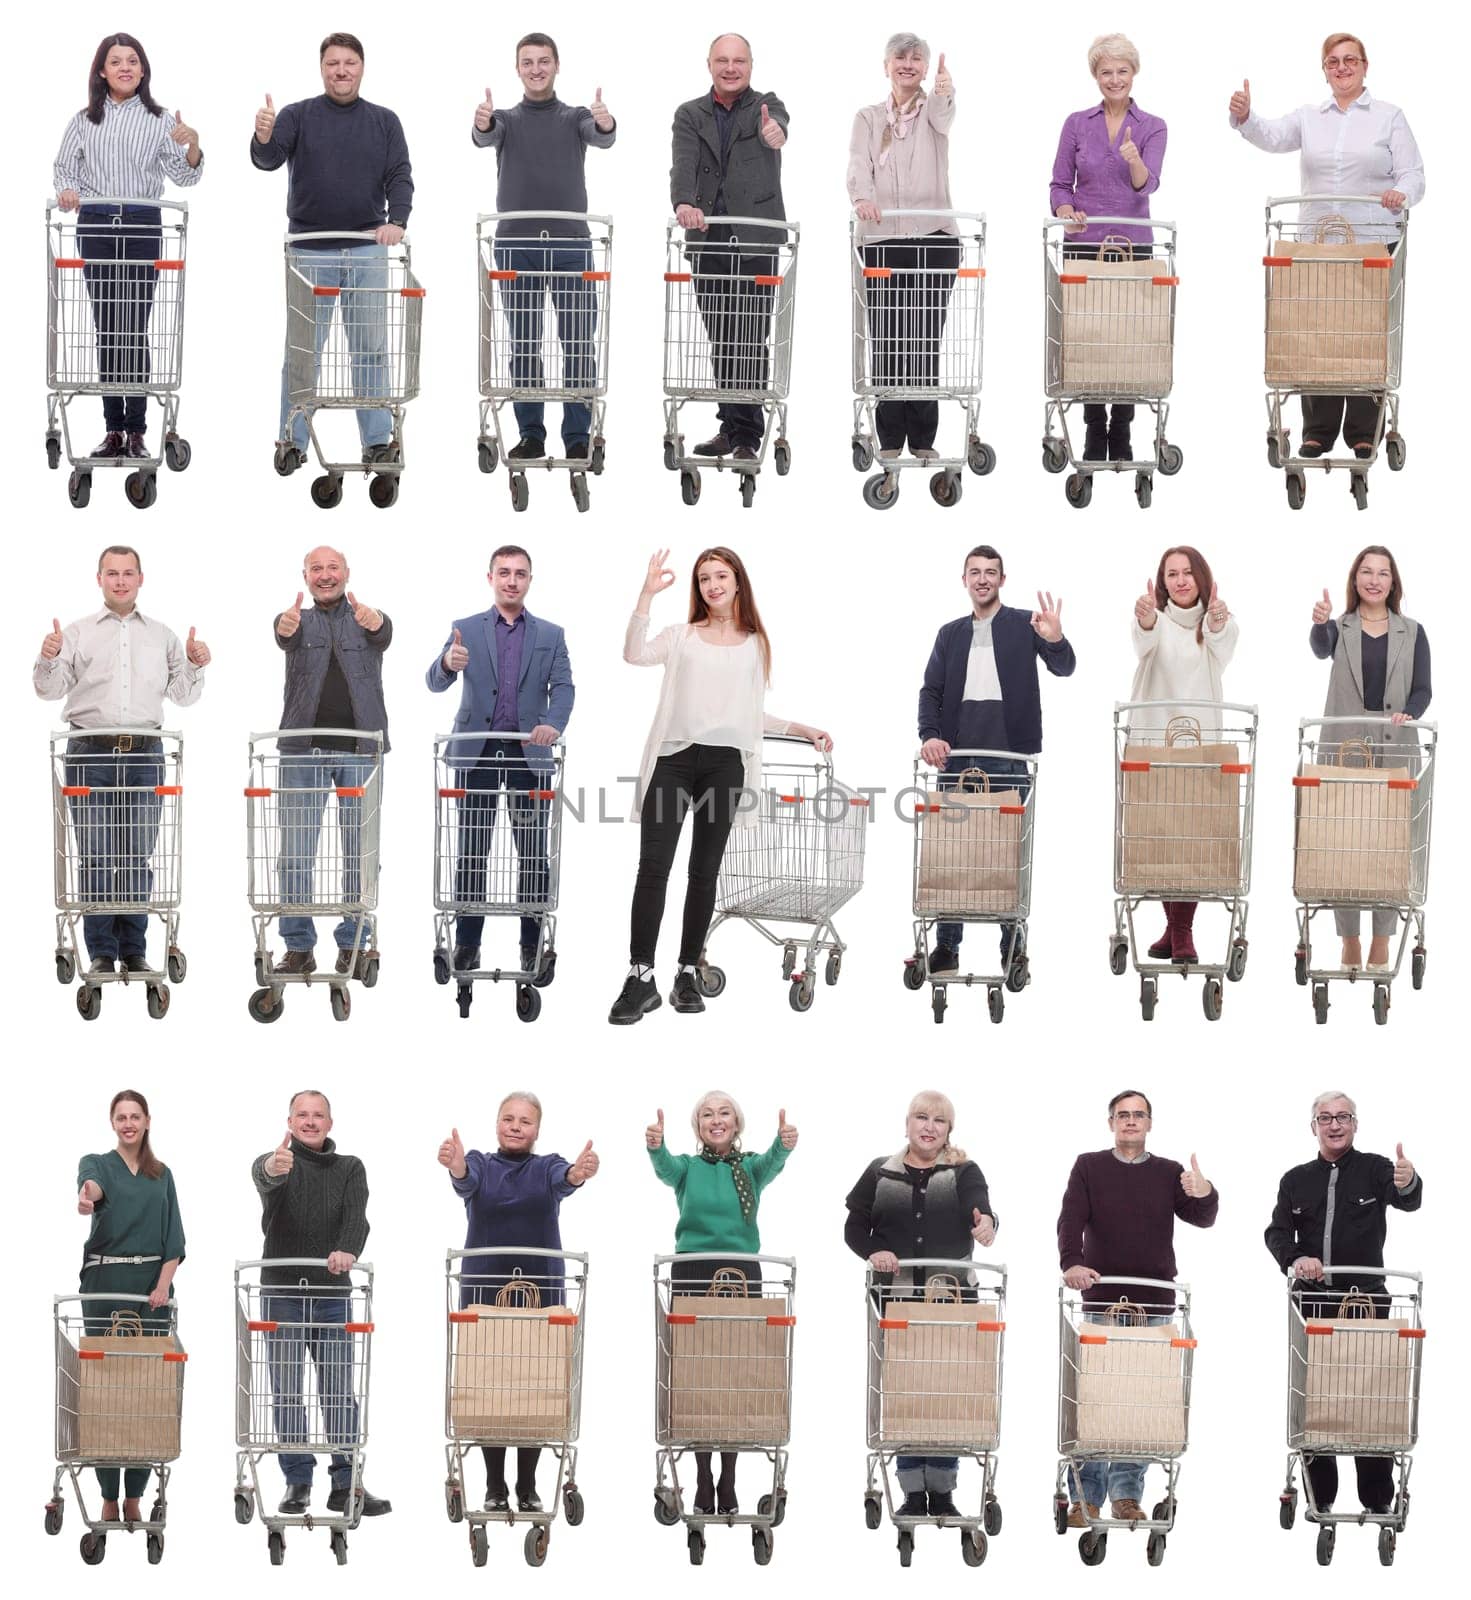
(1118, 1220)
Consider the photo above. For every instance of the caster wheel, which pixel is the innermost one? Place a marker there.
(973, 1547)
(1147, 997)
(1079, 490)
(789, 961)
(580, 497)
(276, 1545)
(93, 1548)
(572, 1506)
(689, 487)
(1394, 451)
(832, 969)
(1092, 1548)
(1236, 962)
(937, 1005)
(155, 1549)
(666, 1511)
(89, 1002)
(996, 1004)
(799, 994)
(54, 1513)
(1300, 968)
(79, 489)
(945, 489)
(158, 1001)
(1144, 490)
(178, 965)
(528, 1003)
(1359, 487)
(873, 1512)
(779, 1515)
(141, 489)
(341, 1003)
(265, 1006)
(1054, 455)
(1386, 1547)
(66, 968)
(1417, 970)
(980, 458)
(1164, 1511)
(1171, 459)
(748, 489)
(287, 459)
(520, 492)
(383, 490)
(696, 1546)
(1320, 1001)
(599, 457)
(454, 1503)
(1297, 490)
(1326, 1538)
(862, 456)
(368, 971)
(671, 456)
(1278, 449)
(1020, 975)
(1210, 999)
(761, 1544)
(1287, 1512)
(479, 1545)
(326, 491)
(1118, 957)
(244, 1508)
(487, 455)
(441, 966)
(781, 457)
(881, 491)
(53, 451)
(1154, 1551)
(1381, 1004)
(712, 981)
(991, 1517)
(914, 973)
(339, 1546)
(176, 454)
(547, 976)
(1059, 1516)
(906, 1547)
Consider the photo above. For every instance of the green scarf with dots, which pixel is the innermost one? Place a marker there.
(733, 1158)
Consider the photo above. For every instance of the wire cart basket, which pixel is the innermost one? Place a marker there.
(1361, 842)
(543, 335)
(115, 328)
(117, 838)
(729, 305)
(1335, 318)
(119, 1403)
(513, 1379)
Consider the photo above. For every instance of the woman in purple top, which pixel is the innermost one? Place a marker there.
(1108, 164)
(512, 1198)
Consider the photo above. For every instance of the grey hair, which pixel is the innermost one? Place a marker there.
(301, 1094)
(519, 1094)
(705, 1099)
(729, 34)
(1112, 47)
(1334, 1094)
(900, 44)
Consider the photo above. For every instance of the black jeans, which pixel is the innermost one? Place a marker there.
(737, 316)
(120, 245)
(501, 764)
(709, 779)
(1095, 413)
(906, 320)
(1375, 1474)
(696, 1277)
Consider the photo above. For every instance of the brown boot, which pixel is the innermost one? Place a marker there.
(1163, 948)
(1183, 943)
(1075, 1517)
(1127, 1511)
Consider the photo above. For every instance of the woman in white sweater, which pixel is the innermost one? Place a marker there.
(1184, 638)
(703, 755)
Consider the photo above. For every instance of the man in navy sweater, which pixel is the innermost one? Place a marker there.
(981, 693)
(348, 165)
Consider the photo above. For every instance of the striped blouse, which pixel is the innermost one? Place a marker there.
(127, 155)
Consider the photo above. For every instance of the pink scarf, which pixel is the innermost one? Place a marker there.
(897, 122)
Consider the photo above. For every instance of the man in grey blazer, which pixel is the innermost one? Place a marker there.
(515, 678)
(727, 163)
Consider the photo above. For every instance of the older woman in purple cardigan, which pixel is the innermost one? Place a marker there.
(1108, 164)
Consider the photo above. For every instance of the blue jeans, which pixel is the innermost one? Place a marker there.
(361, 272)
(116, 828)
(949, 934)
(311, 1325)
(120, 245)
(501, 765)
(575, 302)
(307, 778)
(938, 1474)
(1113, 1480)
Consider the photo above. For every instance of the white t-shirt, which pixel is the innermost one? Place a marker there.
(711, 703)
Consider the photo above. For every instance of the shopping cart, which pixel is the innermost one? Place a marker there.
(497, 854)
(723, 1381)
(1124, 1376)
(513, 1379)
(1353, 1389)
(1361, 840)
(303, 1361)
(311, 847)
(119, 1403)
(527, 354)
(934, 1386)
(973, 864)
(117, 836)
(801, 863)
(728, 309)
(919, 322)
(1183, 797)
(115, 327)
(1110, 341)
(350, 345)
(1335, 325)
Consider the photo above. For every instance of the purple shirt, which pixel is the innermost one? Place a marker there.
(509, 637)
(1089, 172)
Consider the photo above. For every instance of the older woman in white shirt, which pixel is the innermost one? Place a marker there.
(703, 755)
(1350, 143)
(1184, 638)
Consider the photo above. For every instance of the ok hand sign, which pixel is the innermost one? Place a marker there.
(659, 577)
(785, 1131)
(1146, 607)
(1047, 618)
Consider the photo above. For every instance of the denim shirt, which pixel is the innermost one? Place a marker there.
(328, 632)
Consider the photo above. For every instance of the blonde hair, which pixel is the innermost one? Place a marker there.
(705, 1099)
(1112, 47)
(1344, 38)
(936, 1104)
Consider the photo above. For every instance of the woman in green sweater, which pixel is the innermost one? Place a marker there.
(719, 1192)
(134, 1248)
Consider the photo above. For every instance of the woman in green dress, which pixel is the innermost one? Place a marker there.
(719, 1191)
(129, 1195)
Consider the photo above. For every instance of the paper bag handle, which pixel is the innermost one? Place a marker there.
(126, 1324)
(519, 1291)
(1115, 247)
(1182, 730)
(1125, 1313)
(1356, 1304)
(1360, 748)
(943, 1289)
(967, 781)
(728, 1284)
(1333, 228)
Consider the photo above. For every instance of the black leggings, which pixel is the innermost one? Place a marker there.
(696, 1277)
(708, 779)
(495, 1468)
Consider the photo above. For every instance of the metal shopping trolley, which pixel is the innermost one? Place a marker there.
(1353, 1389)
(919, 322)
(513, 1379)
(1183, 799)
(1335, 316)
(1110, 341)
(526, 355)
(1361, 841)
(729, 302)
(115, 328)
(117, 832)
(1123, 1394)
(311, 847)
(935, 1332)
(723, 1381)
(119, 1403)
(353, 334)
(973, 831)
(498, 854)
(801, 863)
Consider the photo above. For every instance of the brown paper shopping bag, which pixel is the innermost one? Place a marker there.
(1181, 824)
(1357, 1389)
(512, 1371)
(1353, 829)
(970, 847)
(1116, 326)
(941, 1369)
(1328, 310)
(728, 1382)
(130, 1393)
(1131, 1386)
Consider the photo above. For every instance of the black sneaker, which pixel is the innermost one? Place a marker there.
(467, 958)
(528, 1500)
(296, 1500)
(1095, 442)
(943, 1504)
(377, 455)
(944, 959)
(369, 1505)
(498, 1499)
(685, 995)
(638, 996)
(578, 451)
(1310, 450)
(915, 1504)
(528, 450)
(720, 445)
(1120, 448)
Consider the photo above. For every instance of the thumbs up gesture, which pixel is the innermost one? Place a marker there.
(1127, 148)
(457, 657)
(290, 619)
(265, 122)
(1146, 607)
(1404, 1168)
(1241, 102)
(368, 619)
(1216, 613)
(1194, 1182)
(983, 1229)
(585, 1166)
(281, 1159)
(484, 112)
(183, 133)
(197, 651)
(1323, 611)
(51, 643)
(773, 135)
(654, 1133)
(785, 1131)
(87, 1197)
(600, 113)
(943, 83)
(452, 1154)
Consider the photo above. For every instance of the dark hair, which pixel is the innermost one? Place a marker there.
(989, 552)
(97, 84)
(508, 550)
(149, 1166)
(747, 617)
(1396, 588)
(291, 1103)
(343, 41)
(1132, 1094)
(541, 39)
(1200, 570)
(120, 550)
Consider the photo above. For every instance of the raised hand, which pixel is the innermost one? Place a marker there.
(1146, 607)
(773, 135)
(290, 619)
(51, 643)
(785, 1131)
(867, 211)
(1323, 611)
(1241, 101)
(1047, 618)
(368, 619)
(689, 217)
(457, 657)
(654, 1133)
(87, 1197)
(282, 1159)
(600, 113)
(1404, 1168)
(452, 1154)
(659, 577)
(1127, 148)
(265, 122)
(1194, 1182)
(983, 1228)
(183, 133)
(1080, 1277)
(1216, 612)
(197, 651)
(585, 1166)
(484, 112)
(943, 84)
(884, 1261)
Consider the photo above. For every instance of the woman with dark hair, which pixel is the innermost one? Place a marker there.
(134, 1248)
(1184, 638)
(1381, 666)
(122, 147)
(703, 753)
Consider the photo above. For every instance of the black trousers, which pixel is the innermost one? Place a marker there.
(696, 1276)
(1375, 1474)
(737, 316)
(705, 779)
(120, 245)
(906, 320)
(501, 764)
(1357, 414)
(495, 1468)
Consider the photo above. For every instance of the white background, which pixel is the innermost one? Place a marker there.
(852, 604)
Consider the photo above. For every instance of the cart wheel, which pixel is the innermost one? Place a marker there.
(287, 459)
(89, 1002)
(528, 1003)
(1079, 490)
(799, 994)
(155, 1549)
(1144, 489)
(479, 1545)
(748, 489)
(368, 970)
(1287, 1512)
(339, 1546)
(54, 1513)
(1326, 1536)
(1092, 1548)
(262, 967)
(1381, 1004)
(441, 966)
(93, 1548)
(1154, 1551)
(327, 491)
(487, 456)
(1297, 490)
(833, 968)
(1020, 974)
(1054, 455)
(1059, 1515)
(520, 491)
(666, 1508)
(383, 490)
(1236, 962)
(341, 1002)
(598, 459)
(464, 997)
(873, 1511)
(276, 1545)
(176, 453)
(66, 967)
(580, 497)
(788, 960)
(158, 1001)
(572, 1506)
(991, 1517)
(671, 456)
(244, 1508)
(696, 1545)
(178, 965)
(1164, 1511)
(881, 491)
(906, 1547)
(1147, 996)
(79, 488)
(544, 979)
(862, 456)
(1274, 452)
(1118, 957)
(996, 1003)
(980, 458)
(781, 457)
(761, 1542)
(938, 1003)
(53, 451)
(1394, 454)
(945, 489)
(972, 1546)
(1359, 488)
(914, 972)
(454, 1501)
(142, 489)
(712, 981)
(1417, 970)
(1386, 1547)
(1300, 964)
(1320, 1001)
(1210, 999)
(1171, 459)
(779, 1516)
(689, 486)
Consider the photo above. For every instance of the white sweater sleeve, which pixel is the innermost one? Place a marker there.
(1222, 645)
(1146, 640)
(641, 651)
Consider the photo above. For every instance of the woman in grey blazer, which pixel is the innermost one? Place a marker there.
(1381, 666)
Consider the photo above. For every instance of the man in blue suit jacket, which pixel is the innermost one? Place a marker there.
(515, 678)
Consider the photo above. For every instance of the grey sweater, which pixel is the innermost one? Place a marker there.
(321, 1205)
(541, 146)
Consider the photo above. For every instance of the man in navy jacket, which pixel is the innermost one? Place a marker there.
(515, 679)
(981, 693)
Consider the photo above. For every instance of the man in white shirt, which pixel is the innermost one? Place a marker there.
(115, 668)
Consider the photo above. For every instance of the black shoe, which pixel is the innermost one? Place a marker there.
(1095, 443)
(1364, 450)
(915, 1504)
(528, 1500)
(943, 1504)
(746, 452)
(944, 959)
(685, 995)
(498, 1499)
(467, 958)
(638, 996)
(528, 450)
(376, 455)
(296, 1500)
(1310, 449)
(705, 1500)
(113, 446)
(726, 1504)
(369, 1505)
(720, 445)
(137, 446)
(1119, 446)
(578, 451)
(103, 964)
(296, 961)
(136, 964)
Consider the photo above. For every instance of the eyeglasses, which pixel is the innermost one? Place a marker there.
(1131, 1116)
(1333, 63)
(1329, 1119)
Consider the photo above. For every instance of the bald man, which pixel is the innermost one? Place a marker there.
(334, 681)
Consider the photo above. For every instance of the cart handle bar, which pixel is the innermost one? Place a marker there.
(960, 272)
(86, 789)
(683, 1319)
(768, 279)
(510, 274)
(347, 1327)
(1383, 262)
(1389, 783)
(1299, 199)
(99, 1355)
(325, 292)
(459, 794)
(1322, 1328)
(903, 1322)
(1103, 1338)
(1237, 767)
(1361, 1272)
(158, 266)
(341, 793)
(1005, 811)
(562, 1319)
(1157, 281)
